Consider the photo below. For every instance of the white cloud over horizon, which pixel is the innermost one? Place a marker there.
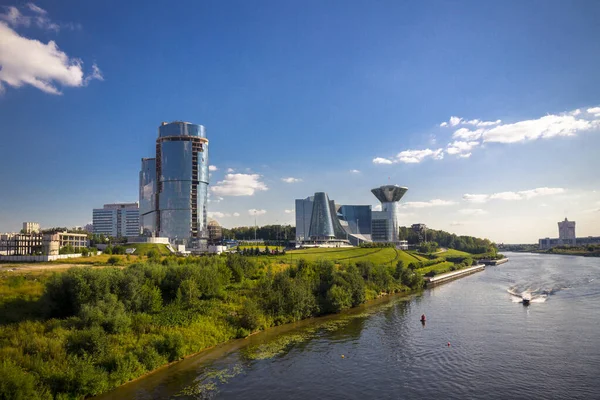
(509, 196)
(354, 171)
(254, 211)
(239, 185)
(219, 214)
(291, 180)
(411, 156)
(25, 61)
(427, 204)
(213, 168)
(288, 211)
(472, 211)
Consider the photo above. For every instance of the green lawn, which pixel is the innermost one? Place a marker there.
(143, 248)
(453, 253)
(382, 255)
(438, 268)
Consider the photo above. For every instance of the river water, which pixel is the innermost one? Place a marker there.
(479, 342)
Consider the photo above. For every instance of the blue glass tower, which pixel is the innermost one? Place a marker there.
(177, 208)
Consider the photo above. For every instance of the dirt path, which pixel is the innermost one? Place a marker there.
(39, 267)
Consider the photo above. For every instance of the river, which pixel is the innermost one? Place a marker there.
(479, 342)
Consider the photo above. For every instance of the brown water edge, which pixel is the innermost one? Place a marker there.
(166, 374)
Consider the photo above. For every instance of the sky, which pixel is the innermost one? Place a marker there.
(489, 112)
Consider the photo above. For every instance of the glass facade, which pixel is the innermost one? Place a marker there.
(303, 214)
(321, 223)
(175, 194)
(358, 218)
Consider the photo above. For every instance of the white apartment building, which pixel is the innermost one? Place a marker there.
(117, 220)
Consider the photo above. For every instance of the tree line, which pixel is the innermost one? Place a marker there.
(469, 244)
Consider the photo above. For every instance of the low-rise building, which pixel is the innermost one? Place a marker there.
(31, 244)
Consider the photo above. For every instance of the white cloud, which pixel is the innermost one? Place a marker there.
(381, 160)
(27, 61)
(376, 208)
(472, 211)
(457, 223)
(427, 204)
(476, 198)
(594, 110)
(230, 170)
(38, 17)
(521, 195)
(291, 180)
(212, 168)
(455, 121)
(289, 211)
(460, 148)
(542, 128)
(467, 134)
(254, 211)
(416, 156)
(354, 171)
(239, 185)
(219, 214)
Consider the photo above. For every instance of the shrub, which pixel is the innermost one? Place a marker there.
(87, 342)
(150, 358)
(113, 260)
(251, 317)
(338, 299)
(18, 384)
(171, 346)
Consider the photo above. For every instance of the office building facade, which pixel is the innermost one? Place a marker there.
(174, 185)
(117, 220)
(31, 227)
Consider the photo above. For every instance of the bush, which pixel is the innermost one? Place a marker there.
(338, 299)
(113, 260)
(171, 346)
(251, 317)
(150, 358)
(88, 342)
(18, 384)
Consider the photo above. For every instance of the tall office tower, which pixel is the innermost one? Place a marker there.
(566, 230)
(385, 224)
(303, 213)
(177, 209)
(148, 212)
(119, 219)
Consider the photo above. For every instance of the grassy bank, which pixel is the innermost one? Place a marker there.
(84, 331)
(87, 330)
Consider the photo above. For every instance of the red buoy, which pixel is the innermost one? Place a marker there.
(448, 344)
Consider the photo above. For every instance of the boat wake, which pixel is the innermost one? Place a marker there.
(531, 293)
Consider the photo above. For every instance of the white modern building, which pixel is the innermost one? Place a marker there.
(31, 227)
(117, 220)
(385, 224)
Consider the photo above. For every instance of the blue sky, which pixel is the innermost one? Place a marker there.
(342, 96)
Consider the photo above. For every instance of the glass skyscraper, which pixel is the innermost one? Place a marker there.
(174, 185)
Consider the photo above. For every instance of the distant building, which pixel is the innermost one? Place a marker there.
(385, 224)
(215, 233)
(421, 231)
(173, 186)
(567, 237)
(117, 220)
(566, 230)
(320, 221)
(21, 244)
(31, 227)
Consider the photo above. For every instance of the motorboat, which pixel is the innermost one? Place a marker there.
(526, 298)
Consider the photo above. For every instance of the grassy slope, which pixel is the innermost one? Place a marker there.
(453, 253)
(143, 248)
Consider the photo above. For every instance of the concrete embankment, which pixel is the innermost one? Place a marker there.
(494, 262)
(442, 278)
